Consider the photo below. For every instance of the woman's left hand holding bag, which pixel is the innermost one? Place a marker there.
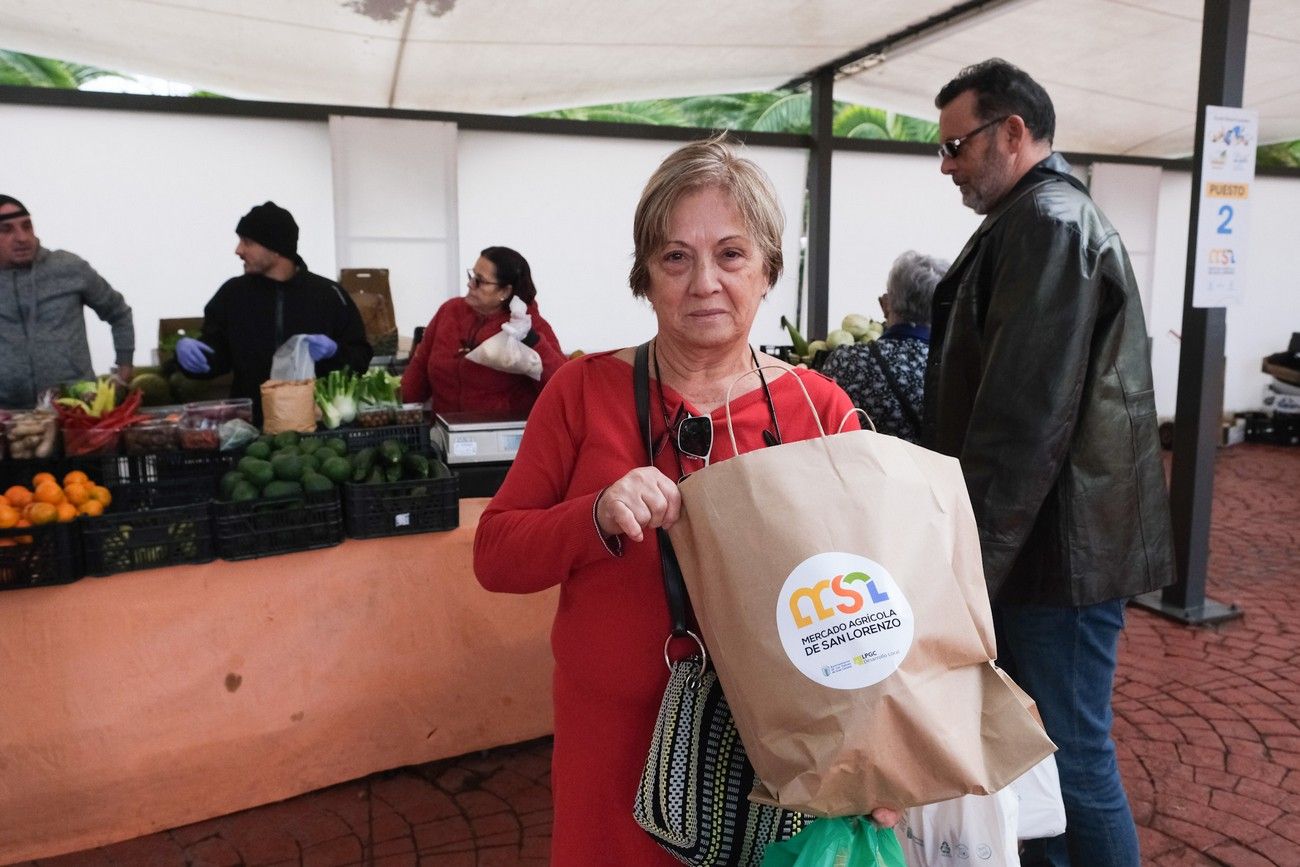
(643, 499)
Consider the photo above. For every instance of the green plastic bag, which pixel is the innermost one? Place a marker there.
(852, 841)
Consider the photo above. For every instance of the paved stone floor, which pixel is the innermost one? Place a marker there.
(1207, 722)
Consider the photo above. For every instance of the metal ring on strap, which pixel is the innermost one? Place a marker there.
(704, 654)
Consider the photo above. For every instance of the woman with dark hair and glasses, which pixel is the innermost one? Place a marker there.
(581, 503)
(439, 370)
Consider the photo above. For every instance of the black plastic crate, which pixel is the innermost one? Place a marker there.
(123, 541)
(400, 508)
(261, 528)
(40, 556)
(413, 436)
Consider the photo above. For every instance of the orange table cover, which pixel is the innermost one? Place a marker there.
(153, 699)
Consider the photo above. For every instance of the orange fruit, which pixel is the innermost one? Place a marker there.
(77, 493)
(41, 478)
(67, 512)
(23, 522)
(8, 517)
(76, 477)
(91, 508)
(101, 493)
(18, 496)
(44, 513)
(49, 492)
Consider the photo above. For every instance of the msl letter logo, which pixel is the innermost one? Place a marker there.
(843, 621)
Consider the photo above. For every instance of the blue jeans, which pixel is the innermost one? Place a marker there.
(1065, 659)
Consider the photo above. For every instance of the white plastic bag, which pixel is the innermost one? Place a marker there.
(505, 350)
(974, 829)
(292, 361)
(1042, 812)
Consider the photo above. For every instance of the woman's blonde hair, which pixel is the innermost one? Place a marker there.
(709, 164)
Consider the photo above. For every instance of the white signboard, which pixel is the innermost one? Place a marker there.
(1227, 175)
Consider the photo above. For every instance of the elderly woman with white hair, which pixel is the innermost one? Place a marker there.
(886, 377)
(582, 500)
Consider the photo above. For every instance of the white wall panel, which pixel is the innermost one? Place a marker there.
(566, 204)
(151, 200)
(882, 205)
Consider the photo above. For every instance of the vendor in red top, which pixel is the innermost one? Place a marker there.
(580, 504)
(439, 369)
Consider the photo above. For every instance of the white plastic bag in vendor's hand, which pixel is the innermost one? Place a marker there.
(292, 361)
(505, 350)
(973, 829)
(289, 396)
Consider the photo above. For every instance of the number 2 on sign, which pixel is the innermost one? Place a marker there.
(1225, 211)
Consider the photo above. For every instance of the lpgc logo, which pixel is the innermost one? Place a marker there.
(843, 620)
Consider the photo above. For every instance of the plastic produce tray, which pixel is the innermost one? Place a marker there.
(400, 508)
(40, 556)
(262, 528)
(123, 541)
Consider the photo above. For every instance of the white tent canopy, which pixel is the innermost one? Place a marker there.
(1123, 73)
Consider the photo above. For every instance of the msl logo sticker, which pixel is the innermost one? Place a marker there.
(843, 620)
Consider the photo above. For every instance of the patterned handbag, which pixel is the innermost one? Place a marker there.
(693, 795)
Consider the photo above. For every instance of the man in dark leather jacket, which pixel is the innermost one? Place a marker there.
(1039, 382)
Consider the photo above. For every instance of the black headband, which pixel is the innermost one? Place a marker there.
(10, 200)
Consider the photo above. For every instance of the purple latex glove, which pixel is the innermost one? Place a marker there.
(190, 354)
(321, 346)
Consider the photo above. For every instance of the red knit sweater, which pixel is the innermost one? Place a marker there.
(612, 619)
(438, 370)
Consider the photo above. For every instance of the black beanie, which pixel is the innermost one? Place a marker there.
(273, 227)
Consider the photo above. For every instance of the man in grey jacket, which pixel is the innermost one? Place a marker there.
(1039, 382)
(42, 327)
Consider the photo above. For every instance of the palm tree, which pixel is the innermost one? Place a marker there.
(1280, 155)
(28, 70)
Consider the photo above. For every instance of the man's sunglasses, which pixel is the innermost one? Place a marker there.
(950, 148)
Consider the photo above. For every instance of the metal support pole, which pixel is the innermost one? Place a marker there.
(1199, 411)
(819, 203)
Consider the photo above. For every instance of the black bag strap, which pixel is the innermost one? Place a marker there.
(674, 585)
(899, 395)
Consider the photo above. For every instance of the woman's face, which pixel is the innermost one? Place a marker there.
(707, 281)
(484, 295)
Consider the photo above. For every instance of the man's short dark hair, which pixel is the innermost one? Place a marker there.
(1004, 89)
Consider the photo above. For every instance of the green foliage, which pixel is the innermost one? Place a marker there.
(28, 70)
(1280, 155)
(770, 111)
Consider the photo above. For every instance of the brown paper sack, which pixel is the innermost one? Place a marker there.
(839, 586)
(288, 404)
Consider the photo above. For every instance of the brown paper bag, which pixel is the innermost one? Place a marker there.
(288, 404)
(839, 586)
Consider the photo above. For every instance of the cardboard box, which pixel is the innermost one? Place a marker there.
(369, 290)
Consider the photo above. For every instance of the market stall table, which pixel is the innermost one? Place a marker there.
(152, 699)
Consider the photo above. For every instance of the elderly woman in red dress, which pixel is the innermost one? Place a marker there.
(579, 506)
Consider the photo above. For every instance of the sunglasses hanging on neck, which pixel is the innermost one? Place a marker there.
(692, 435)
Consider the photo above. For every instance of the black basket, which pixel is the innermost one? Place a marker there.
(156, 481)
(413, 436)
(261, 528)
(40, 556)
(399, 508)
(122, 541)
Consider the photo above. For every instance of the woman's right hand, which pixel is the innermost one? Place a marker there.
(644, 498)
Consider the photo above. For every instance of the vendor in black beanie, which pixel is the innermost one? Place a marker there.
(276, 298)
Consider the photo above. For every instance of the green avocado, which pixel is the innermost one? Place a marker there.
(312, 482)
(309, 445)
(228, 482)
(438, 470)
(258, 471)
(286, 438)
(243, 492)
(281, 488)
(311, 463)
(337, 469)
(338, 445)
(259, 449)
(287, 467)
